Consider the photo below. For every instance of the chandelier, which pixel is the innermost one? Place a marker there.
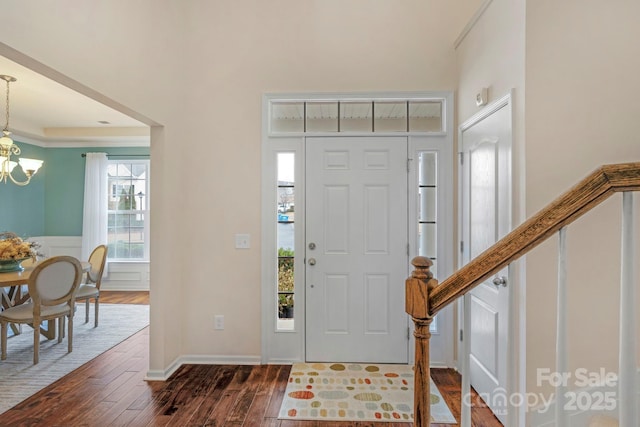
(8, 148)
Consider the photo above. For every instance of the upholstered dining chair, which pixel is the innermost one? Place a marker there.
(91, 286)
(52, 284)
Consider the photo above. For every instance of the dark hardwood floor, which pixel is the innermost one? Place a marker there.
(124, 297)
(110, 391)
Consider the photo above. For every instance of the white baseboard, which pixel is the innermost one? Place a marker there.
(162, 375)
(283, 361)
(197, 359)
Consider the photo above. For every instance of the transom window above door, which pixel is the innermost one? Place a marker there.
(356, 116)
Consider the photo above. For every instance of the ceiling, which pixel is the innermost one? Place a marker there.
(46, 113)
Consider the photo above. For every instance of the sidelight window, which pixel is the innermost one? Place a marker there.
(428, 212)
(285, 238)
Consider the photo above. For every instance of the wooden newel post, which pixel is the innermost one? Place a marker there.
(417, 288)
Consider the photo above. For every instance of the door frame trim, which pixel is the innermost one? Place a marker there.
(288, 346)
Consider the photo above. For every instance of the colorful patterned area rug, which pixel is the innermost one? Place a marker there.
(356, 392)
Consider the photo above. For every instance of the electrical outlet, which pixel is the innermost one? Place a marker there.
(218, 322)
(243, 241)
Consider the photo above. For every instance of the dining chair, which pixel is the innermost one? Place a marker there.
(52, 284)
(91, 286)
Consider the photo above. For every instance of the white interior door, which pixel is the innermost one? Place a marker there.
(356, 249)
(486, 217)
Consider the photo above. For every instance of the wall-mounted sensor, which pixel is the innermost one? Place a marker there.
(482, 97)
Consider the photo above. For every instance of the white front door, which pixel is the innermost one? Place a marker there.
(356, 249)
(486, 217)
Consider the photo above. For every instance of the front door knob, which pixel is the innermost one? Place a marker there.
(500, 281)
(312, 261)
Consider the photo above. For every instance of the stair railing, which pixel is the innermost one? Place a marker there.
(425, 297)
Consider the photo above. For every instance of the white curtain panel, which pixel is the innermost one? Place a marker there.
(94, 216)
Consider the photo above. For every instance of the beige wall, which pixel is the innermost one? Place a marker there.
(582, 62)
(200, 68)
(582, 67)
(246, 49)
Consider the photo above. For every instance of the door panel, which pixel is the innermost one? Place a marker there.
(376, 309)
(336, 313)
(376, 221)
(483, 330)
(488, 305)
(336, 219)
(357, 219)
(482, 196)
(486, 213)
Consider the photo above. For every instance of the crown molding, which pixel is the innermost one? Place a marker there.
(62, 143)
(472, 23)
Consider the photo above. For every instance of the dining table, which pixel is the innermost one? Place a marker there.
(13, 291)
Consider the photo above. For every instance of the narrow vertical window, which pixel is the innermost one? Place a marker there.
(428, 212)
(128, 210)
(285, 240)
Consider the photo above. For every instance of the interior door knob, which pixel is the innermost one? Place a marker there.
(500, 281)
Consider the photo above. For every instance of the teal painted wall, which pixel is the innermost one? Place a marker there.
(64, 192)
(22, 208)
(51, 205)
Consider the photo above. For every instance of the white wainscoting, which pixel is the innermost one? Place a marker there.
(119, 276)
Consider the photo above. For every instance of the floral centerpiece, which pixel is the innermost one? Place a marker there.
(14, 250)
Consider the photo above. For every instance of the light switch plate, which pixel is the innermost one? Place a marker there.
(218, 322)
(243, 241)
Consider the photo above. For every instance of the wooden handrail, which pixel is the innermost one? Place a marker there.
(424, 298)
(590, 192)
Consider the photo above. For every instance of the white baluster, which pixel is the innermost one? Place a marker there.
(465, 412)
(561, 328)
(627, 387)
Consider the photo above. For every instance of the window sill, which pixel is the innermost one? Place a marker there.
(128, 261)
